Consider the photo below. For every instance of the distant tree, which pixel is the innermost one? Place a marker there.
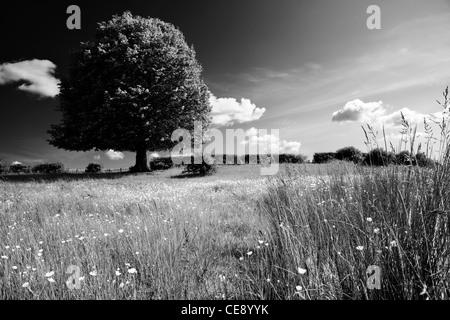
(48, 168)
(2, 167)
(292, 158)
(379, 157)
(324, 157)
(350, 154)
(161, 163)
(404, 158)
(129, 88)
(19, 168)
(94, 168)
(423, 161)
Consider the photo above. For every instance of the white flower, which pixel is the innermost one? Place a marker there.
(106, 234)
(14, 267)
(121, 285)
(127, 265)
(25, 285)
(360, 248)
(260, 241)
(120, 230)
(93, 273)
(393, 243)
(369, 220)
(118, 273)
(5, 257)
(51, 280)
(301, 270)
(299, 288)
(241, 258)
(49, 274)
(376, 230)
(249, 253)
(81, 278)
(7, 247)
(132, 271)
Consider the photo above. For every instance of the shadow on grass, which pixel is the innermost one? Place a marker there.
(189, 176)
(66, 176)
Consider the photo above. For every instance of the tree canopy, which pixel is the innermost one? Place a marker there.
(129, 88)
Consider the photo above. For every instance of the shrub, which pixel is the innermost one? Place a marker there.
(292, 158)
(19, 168)
(350, 154)
(2, 167)
(161, 163)
(200, 169)
(324, 157)
(94, 168)
(404, 158)
(423, 161)
(379, 157)
(48, 168)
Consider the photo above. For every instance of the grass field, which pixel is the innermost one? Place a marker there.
(310, 232)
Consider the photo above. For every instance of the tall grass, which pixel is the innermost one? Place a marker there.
(394, 217)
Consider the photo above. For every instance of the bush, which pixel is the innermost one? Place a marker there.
(2, 167)
(94, 168)
(423, 161)
(19, 168)
(48, 168)
(200, 169)
(379, 157)
(291, 158)
(350, 154)
(161, 163)
(324, 157)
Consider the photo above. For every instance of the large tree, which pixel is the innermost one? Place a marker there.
(129, 88)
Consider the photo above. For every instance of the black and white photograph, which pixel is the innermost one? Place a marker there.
(225, 155)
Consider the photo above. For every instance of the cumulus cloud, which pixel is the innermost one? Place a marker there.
(359, 111)
(227, 111)
(375, 113)
(270, 143)
(38, 75)
(114, 155)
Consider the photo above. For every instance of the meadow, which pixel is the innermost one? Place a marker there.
(310, 232)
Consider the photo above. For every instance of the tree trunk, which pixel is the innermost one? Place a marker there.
(141, 161)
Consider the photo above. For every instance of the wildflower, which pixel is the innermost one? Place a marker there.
(132, 271)
(106, 234)
(376, 231)
(268, 280)
(25, 285)
(360, 248)
(241, 258)
(4, 257)
(81, 278)
(121, 285)
(41, 242)
(49, 274)
(369, 219)
(14, 267)
(249, 253)
(118, 273)
(93, 273)
(260, 241)
(7, 247)
(393, 243)
(120, 230)
(299, 288)
(137, 252)
(301, 270)
(127, 264)
(51, 280)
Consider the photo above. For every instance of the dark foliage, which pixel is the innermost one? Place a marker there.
(48, 168)
(324, 157)
(94, 168)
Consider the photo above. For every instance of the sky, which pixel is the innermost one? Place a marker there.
(311, 69)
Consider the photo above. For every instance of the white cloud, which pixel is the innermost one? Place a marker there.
(359, 111)
(15, 163)
(227, 111)
(375, 113)
(154, 155)
(271, 143)
(97, 157)
(37, 73)
(114, 155)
